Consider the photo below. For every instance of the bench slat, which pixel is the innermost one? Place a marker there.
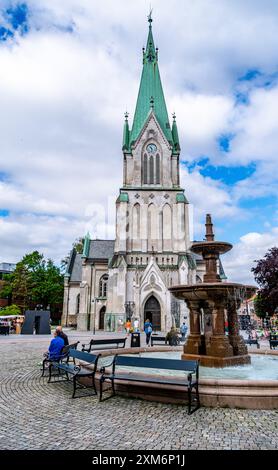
(83, 356)
(136, 378)
(156, 363)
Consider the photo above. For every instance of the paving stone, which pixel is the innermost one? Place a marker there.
(38, 415)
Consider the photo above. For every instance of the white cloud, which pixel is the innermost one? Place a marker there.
(63, 96)
(207, 196)
(252, 246)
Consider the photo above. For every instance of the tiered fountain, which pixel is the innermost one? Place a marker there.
(208, 302)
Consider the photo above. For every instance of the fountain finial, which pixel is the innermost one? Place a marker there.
(209, 229)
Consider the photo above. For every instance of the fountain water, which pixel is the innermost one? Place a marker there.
(207, 303)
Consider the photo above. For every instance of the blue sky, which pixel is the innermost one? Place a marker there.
(68, 72)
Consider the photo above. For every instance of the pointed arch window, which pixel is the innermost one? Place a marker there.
(103, 285)
(157, 169)
(145, 170)
(151, 166)
(77, 306)
(151, 170)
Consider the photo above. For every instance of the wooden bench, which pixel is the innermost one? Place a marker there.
(251, 341)
(64, 355)
(188, 381)
(65, 369)
(104, 343)
(160, 339)
(273, 341)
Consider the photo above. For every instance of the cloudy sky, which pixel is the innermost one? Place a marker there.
(69, 69)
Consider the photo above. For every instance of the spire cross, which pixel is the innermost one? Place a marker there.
(151, 102)
(150, 16)
(174, 116)
(126, 115)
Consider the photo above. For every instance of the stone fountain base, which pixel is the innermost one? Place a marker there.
(214, 361)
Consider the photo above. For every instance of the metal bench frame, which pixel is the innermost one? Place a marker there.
(76, 371)
(108, 342)
(190, 382)
(64, 355)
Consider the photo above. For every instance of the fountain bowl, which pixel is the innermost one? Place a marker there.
(214, 391)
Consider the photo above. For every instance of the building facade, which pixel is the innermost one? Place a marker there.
(129, 277)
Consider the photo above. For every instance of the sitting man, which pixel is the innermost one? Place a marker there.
(55, 347)
(172, 337)
(62, 335)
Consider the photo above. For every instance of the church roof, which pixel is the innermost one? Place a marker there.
(76, 274)
(74, 267)
(101, 249)
(150, 96)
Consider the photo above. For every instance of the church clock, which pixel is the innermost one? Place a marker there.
(151, 148)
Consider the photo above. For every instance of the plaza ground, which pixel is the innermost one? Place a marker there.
(38, 415)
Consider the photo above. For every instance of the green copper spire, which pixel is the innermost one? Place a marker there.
(150, 87)
(86, 246)
(176, 142)
(126, 133)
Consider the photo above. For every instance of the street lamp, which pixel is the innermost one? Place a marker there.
(94, 301)
(129, 307)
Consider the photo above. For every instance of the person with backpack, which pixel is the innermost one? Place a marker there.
(148, 328)
(183, 330)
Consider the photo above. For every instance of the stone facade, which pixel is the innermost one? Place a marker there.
(151, 251)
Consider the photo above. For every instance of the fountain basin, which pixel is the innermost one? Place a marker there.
(232, 391)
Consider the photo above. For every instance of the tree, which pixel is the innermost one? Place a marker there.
(77, 245)
(10, 310)
(266, 275)
(35, 281)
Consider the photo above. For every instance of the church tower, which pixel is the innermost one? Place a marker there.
(152, 246)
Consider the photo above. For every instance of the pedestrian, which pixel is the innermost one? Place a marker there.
(127, 325)
(148, 328)
(136, 325)
(62, 335)
(183, 330)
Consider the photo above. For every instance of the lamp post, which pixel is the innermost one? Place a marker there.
(94, 302)
(129, 307)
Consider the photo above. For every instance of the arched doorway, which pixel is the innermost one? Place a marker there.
(152, 312)
(101, 318)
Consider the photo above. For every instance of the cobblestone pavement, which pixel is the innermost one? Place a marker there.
(38, 415)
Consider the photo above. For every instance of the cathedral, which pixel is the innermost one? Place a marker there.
(129, 277)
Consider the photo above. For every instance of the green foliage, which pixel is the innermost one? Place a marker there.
(266, 275)
(10, 310)
(77, 245)
(260, 306)
(35, 281)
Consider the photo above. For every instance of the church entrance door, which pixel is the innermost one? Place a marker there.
(101, 318)
(152, 312)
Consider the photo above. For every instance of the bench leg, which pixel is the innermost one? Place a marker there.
(50, 372)
(74, 386)
(189, 400)
(43, 367)
(101, 382)
(196, 398)
(94, 384)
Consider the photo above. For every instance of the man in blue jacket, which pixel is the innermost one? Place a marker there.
(56, 346)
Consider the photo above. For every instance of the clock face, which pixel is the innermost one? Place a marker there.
(151, 148)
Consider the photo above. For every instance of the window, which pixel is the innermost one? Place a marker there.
(151, 170)
(103, 286)
(145, 175)
(151, 165)
(77, 307)
(157, 169)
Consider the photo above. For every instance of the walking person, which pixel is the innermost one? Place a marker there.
(128, 326)
(183, 330)
(148, 328)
